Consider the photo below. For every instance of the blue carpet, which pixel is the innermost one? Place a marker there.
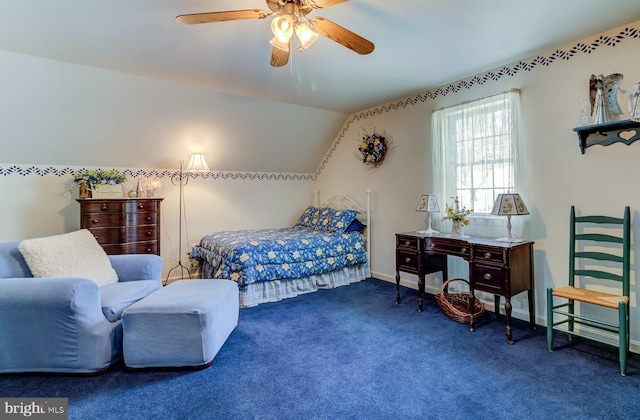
(351, 353)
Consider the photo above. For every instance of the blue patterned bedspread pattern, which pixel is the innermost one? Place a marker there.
(247, 256)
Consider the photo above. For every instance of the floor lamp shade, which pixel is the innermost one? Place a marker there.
(197, 163)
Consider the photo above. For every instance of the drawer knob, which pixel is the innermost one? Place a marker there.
(407, 243)
(104, 207)
(140, 205)
(407, 260)
(432, 246)
(149, 250)
(149, 233)
(94, 221)
(487, 255)
(463, 250)
(148, 218)
(487, 276)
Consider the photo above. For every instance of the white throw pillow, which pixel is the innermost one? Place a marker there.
(75, 254)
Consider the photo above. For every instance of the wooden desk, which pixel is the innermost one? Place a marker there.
(501, 268)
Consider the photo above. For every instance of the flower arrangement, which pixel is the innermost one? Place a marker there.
(457, 213)
(373, 148)
(98, 176)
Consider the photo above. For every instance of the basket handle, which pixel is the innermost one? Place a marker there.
(445, 285)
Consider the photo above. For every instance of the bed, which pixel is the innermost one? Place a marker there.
(327, 247)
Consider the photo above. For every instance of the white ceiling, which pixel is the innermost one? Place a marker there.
(419, 44)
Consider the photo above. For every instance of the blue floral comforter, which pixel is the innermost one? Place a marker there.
(248, 256)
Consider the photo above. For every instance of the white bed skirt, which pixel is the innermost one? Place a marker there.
(276, 290)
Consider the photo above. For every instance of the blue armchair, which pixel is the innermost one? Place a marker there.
(68, 325)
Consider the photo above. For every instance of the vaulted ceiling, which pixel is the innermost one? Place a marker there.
(419, 44)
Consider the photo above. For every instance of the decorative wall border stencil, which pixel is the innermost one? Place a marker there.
(494, 75)
(154, 173)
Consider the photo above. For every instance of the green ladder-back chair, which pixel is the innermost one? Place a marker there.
(600, 258)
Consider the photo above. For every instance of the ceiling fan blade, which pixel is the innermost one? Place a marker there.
(341, 35)
(222, 16)
(322, 4)
(279, 57)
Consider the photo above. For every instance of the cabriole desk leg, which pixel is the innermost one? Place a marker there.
(397, 287)
(532, 309)
(507, 310)
(472, 305)
(420, 292)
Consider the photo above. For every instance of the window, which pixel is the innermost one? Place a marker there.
(477, 151)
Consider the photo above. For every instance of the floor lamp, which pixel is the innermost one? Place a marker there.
(197, 164)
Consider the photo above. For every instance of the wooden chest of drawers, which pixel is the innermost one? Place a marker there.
(123, 226)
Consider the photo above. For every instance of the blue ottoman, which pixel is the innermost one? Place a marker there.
(181, 325)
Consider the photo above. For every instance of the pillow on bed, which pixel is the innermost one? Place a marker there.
(355, 226)
(333, 220)
(308, 216)
(326, 219)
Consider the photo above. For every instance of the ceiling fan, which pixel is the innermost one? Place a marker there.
(290, 16)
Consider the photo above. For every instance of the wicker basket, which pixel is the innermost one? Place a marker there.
(456, 305)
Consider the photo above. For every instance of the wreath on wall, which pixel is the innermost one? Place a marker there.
(373, 148)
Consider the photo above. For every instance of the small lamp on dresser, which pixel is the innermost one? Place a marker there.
(509, 205)
(429, 204)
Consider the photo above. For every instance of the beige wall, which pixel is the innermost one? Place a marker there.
(58, 117)
(56, 113)
(38, 117)
(35, 205)
(604, 179)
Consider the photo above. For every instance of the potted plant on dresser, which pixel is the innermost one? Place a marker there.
(99, 183)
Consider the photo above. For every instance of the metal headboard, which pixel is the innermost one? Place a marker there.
(342, 202)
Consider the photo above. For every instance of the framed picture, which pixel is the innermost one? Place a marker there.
(422, 204)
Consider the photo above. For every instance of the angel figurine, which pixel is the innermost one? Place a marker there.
(603, 95)
(634, 103)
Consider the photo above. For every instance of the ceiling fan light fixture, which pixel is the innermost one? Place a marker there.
(278, 43)
(289, 17)
(305, 35)
(282, 27)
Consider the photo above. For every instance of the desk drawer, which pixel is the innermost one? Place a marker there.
(451, 247)
(408, 261)
(483, 254)
(487, 279)
(408, 242)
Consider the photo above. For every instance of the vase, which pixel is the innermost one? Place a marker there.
(84, 191)
(456, 230)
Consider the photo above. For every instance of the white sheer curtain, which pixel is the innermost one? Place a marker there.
(478, 153)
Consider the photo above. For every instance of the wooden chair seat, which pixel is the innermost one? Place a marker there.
(590, 296)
